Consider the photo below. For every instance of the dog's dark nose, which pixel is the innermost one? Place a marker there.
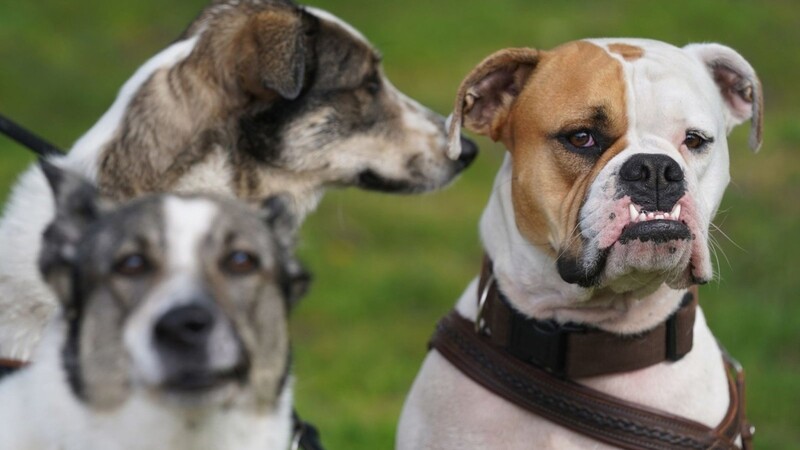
(469, 150)
(654, 182)
(187, 326)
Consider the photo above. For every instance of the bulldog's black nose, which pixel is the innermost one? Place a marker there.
(469, 150)
(185, 327)
(654, 182)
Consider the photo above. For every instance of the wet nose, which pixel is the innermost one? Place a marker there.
(469, 150)
(654, 182)
(185, 327)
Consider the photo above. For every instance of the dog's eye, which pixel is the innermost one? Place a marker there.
(132, 265)
(696, 141)
(240, 262)
(372, 84)
(581, 139)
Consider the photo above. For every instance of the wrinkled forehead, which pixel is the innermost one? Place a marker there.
(663, 82)
(627, 83)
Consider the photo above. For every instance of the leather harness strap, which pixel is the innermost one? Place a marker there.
(488, 361)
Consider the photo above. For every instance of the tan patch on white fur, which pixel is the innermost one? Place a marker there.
(627, 51)
(549, 183)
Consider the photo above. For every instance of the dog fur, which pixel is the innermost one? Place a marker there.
(256, 97)
(559, 220)
(171, 331)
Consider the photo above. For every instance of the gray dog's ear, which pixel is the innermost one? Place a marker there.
(77, 206)
(485, 96)
(738, 84)
(295, 279)
(272, 50)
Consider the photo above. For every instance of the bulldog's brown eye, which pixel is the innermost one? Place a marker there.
(581, 139)
(695, 141)
(132, 265)
(241, 262)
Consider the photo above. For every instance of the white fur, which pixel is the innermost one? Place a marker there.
(39, 412)
(446, 410)
(30, 208)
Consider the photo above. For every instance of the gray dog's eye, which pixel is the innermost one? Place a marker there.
(240, 262)
(132, 265)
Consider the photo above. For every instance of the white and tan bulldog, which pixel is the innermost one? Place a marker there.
(617, 162)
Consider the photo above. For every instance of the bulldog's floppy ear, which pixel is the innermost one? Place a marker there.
(271, 53)
(78, 205)
(295, 279)
(485, 96)
(738, 84)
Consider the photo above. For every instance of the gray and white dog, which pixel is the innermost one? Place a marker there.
(256, 97)
(171, 331)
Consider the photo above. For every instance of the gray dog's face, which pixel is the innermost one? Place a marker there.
(298, 99)
(180, 299)
(351, 126)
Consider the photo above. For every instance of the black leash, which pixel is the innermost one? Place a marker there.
(305, 436)
(27, 139)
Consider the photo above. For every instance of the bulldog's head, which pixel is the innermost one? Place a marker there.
(618, 151)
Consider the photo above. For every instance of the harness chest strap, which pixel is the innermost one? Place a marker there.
(577, 407)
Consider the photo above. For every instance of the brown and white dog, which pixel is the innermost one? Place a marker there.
(256, 97)
(617, 162)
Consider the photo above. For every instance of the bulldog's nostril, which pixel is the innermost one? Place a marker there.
(673, 172)
(186, 326)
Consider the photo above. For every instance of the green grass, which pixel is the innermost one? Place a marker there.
(387, 267)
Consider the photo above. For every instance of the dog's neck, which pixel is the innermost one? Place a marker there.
(527, 275)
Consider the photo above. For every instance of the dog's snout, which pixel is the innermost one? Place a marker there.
(654, 182)
(187, 326)
(469, 150)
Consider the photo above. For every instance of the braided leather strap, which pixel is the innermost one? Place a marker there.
(577, 407)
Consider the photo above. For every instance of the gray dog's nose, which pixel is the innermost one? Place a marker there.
(187, 327)
(469, 150)
(654, 182)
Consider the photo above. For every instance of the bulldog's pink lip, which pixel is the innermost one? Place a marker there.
(626, 213)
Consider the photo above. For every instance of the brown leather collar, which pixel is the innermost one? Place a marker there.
(577, 351)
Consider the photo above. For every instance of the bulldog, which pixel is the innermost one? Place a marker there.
(617, 162)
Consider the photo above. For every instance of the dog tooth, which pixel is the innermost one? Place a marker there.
(659, 216)
(676, 212)
(650, 216)
(642, 217)
(634, 213)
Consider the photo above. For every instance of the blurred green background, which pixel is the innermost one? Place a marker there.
(387, 267)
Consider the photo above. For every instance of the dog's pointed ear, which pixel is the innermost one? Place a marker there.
(738, 84)
(272, 51)
(295, 279)
(77, 206)
(486, 95)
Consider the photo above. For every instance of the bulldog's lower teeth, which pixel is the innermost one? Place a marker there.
(640, 216)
